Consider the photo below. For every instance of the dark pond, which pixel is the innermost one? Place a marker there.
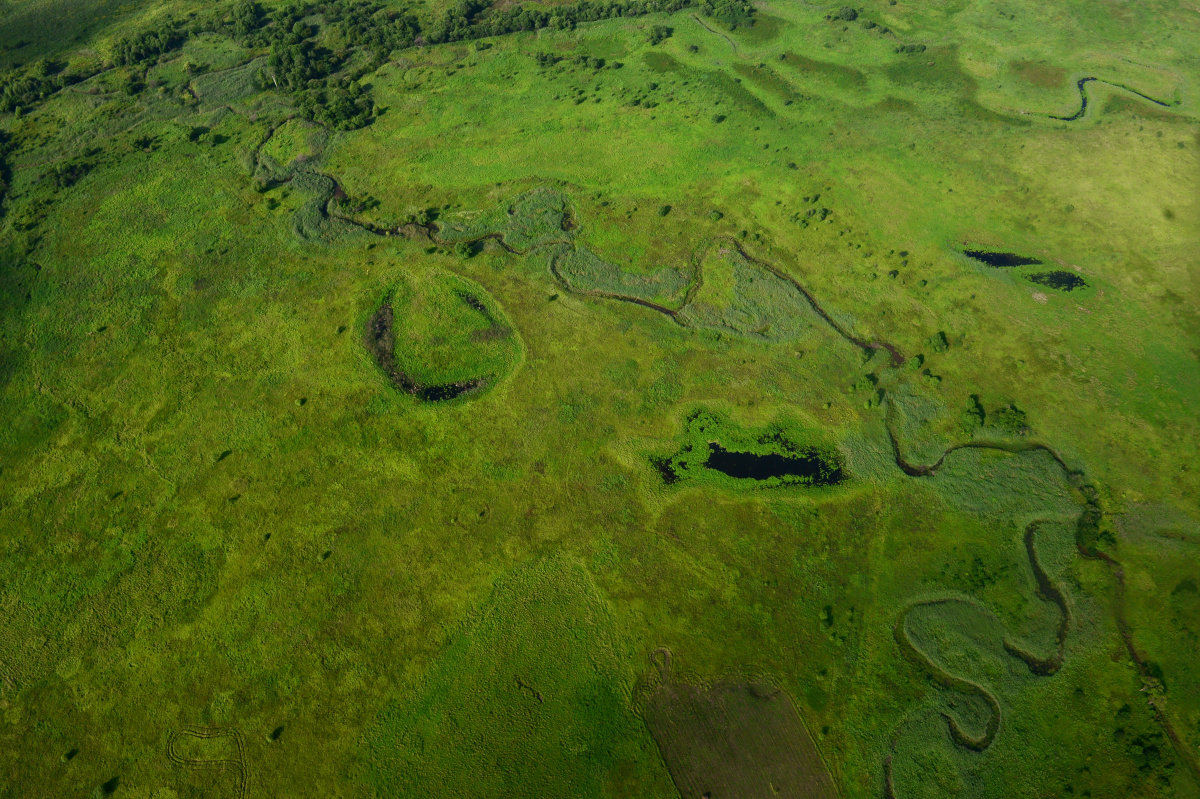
(811, 467)
(1058, 279)
(1000, 258)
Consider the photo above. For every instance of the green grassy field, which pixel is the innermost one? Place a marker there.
(250, 547)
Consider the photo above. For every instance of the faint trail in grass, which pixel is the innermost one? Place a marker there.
(716, 32)
(869, 347)
(218, 764)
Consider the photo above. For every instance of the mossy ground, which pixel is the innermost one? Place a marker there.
(215, 512)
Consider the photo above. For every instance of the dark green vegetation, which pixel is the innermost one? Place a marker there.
(383, 383)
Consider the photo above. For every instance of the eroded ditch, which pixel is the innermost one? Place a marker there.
(381, 343)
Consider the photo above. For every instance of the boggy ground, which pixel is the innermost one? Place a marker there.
(226, 539)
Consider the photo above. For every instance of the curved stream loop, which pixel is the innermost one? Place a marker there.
(1083, 98)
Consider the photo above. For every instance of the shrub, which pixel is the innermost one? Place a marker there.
(149, 44)
(731, 12)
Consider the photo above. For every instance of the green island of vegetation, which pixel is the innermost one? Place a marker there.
(713, 399)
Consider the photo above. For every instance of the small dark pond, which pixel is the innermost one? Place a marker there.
(1000, 259)
(813, 467)
(1058, 279)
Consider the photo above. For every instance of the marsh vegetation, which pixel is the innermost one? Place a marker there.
(638, 398)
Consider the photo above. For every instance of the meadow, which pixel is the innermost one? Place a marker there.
(565, 400)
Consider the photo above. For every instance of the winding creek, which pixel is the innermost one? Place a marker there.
(1089, 516)
(1081, 85)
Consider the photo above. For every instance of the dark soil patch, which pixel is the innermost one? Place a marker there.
(736, 741)
(1058, 279)
(811, 467)
(1132, 106)
(1000, 259)
(381, 341)
(895, 105)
